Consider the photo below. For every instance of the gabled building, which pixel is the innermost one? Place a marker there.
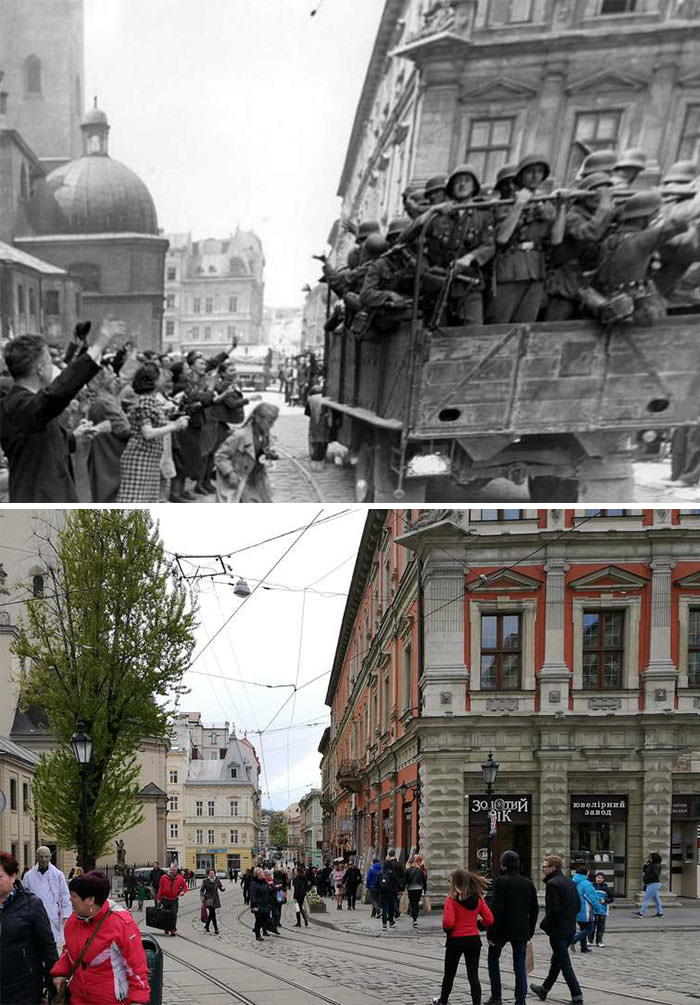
(566, 642)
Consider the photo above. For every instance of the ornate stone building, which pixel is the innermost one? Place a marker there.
(565, 641)
(311, 827)
(214, 292)
(487, 81)
(213, 796)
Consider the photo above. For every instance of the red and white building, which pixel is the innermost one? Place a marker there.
(565, 641)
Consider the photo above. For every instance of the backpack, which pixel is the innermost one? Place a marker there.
(383, 882)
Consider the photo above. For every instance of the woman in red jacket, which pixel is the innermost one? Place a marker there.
(113, 969)
(464, 907)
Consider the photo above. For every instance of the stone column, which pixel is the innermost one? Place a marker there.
(658, 125)
(443, 819)
(660, 675)
(551, 104)
(555, 674)
(656, 814)
(445, 674)
(553, 836)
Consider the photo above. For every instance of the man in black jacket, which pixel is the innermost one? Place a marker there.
(398, 878)
(515, 911)
(27, 946)
(561, 905)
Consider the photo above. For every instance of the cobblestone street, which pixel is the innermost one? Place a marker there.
(348, 958)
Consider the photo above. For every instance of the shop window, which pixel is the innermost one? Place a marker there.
(694, 647)
(32, 75)
(603, 650)
(689, 149)
(52, 303)
(489, 145)
(599, 837)
(501, 652)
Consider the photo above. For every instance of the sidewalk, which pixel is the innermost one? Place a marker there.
(680, 915)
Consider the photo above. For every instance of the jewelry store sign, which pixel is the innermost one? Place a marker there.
(507, 809)
(612, 808)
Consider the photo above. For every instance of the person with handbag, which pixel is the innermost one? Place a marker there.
(171, 887)
(103, 961)
(27, 946)
(416, 885)
(209, 892)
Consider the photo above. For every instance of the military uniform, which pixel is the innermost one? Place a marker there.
(520, 266)
(578, 253)
(459, 231)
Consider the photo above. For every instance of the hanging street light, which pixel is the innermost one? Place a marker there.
(81, 746)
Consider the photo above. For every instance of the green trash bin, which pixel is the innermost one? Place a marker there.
(154, 959)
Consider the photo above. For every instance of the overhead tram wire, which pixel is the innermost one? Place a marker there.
(257, 586)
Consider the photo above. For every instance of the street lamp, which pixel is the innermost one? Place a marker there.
(241, 589)
(81, 745)
(489, 771)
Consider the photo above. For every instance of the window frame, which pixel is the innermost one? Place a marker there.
(500, 151)
(692, 108)
(172, 775)
(198, 836)
(499, 652)
(199, 807)
(601, 649)
(617, 13)
(211, 807)
(508, 20)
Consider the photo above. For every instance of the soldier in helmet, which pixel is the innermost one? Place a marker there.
(397, 227)
(387, 290)
(344, 279)
(681, 173)
(625, 259)
(523, 232)
(414, 202)
(436, 189)
(628, 168)
(597, 162)
(588, 220)
(678, 252)
(373, 246)
(504, 186)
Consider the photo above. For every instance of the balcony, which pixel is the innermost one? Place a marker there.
(349, 775)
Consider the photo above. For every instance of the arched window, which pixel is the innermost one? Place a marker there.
(32, 75)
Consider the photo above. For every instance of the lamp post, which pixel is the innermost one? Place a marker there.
(489, 771)
(81, 745)
(404, 789)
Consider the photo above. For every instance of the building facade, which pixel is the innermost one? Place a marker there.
(562, 640)
(292, 819)
(311, 827)
(36, 296)
(213, 796)
(441, 89)
(214, 292)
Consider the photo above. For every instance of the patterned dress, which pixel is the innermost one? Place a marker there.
(140, 463)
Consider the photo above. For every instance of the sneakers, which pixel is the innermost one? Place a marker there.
(415, 924)
(437, 1001)
(637, 914)
(539, 991)
(600, 945)
(657, 915)
(392, 924)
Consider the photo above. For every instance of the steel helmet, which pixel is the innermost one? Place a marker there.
(681, 173)
(397, 225)
(374, 246)
(366, 228)
(530, 160)
(636, 159)
(435, 183)
(463, 169)
(599, 160)
(678, 191)
(507, 173)
(599, 179)
(640, 205)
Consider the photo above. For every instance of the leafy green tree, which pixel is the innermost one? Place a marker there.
(106, 643)
(277, 830)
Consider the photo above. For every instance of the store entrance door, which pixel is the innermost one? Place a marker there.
(508, 837)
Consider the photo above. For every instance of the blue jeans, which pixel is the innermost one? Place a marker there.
(652, 893)
(494, 955)
(561, 964)
(586, 930)
(388, 902)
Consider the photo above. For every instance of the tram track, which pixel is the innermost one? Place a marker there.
(405, 960)
(300, 469)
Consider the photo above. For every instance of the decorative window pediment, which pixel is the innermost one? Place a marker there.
(610, 577)
(500, 89)
(606, 80)
(690, 582)
(690, 79)
(508, 581)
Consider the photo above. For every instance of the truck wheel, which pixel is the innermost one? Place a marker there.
(548, 489)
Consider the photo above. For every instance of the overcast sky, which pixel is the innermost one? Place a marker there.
(265, 641)
(235, 112)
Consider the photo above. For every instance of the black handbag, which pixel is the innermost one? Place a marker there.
(160, 917)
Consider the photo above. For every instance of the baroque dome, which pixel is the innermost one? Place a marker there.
(94, 194)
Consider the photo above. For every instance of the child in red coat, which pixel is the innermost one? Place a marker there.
(464, 908)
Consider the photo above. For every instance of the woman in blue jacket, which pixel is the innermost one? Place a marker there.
(590, 907)
(371, 884)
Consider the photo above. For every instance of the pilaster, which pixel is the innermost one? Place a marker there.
(554, 831)
(443, 818)
(445, 673)
(660, 675)
(555, 675)
(656, 819)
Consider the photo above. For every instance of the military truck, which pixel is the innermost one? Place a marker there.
(555, 405)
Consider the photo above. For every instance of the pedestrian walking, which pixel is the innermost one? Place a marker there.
(371, 883)
(154, 878)
(392, 864)
(27, 947)
(129, 888)
(142, 893)
(300, 887)
(338, 882)
(605, 896)
(652, 885)
(515, 911)
(416, 885)
(103, 958)
(353, 878)
(559, 923)
(245, 885)
(171, 887)
(588, 909)
(209, 893)
(260, 904)
(48, 883)
(464, 908)
(388, 890)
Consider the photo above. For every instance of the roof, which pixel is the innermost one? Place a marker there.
(152, 790)
(10, 749)
(16, 257)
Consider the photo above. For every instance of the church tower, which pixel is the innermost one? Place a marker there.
(42, 57)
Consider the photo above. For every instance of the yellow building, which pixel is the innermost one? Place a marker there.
(213, 796)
